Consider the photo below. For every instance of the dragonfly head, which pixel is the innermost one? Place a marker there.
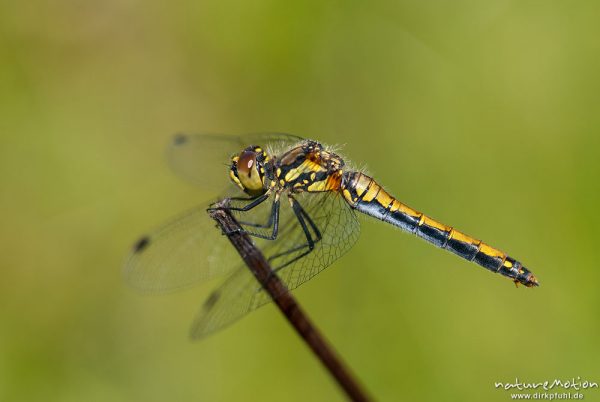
(248, 170)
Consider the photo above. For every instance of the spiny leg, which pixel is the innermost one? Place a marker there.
(266, 225)
(250, 206)
(302, 217)
(253, 203)
(273, 221)
(310, 222)
(273, 218)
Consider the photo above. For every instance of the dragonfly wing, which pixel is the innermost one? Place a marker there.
(204, 159)
(339, 227)
(187, 249)
(241, 293)
(236, 297)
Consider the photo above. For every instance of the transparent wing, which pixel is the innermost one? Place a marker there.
(204, 159)
(241, 293)
(187, 249)
(190, 248)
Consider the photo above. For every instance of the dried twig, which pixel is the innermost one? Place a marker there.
(284, 300)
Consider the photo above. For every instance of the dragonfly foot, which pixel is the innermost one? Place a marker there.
(232, 232)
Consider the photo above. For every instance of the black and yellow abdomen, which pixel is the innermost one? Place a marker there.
(364, 194)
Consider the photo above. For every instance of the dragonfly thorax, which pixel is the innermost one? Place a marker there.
(248, 170)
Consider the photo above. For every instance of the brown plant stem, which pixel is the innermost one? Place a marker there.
(284, 300)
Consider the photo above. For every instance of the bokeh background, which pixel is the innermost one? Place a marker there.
(484, 115)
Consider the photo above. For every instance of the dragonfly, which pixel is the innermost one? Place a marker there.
(298, 200)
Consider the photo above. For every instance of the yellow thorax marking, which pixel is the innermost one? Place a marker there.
(306, 166)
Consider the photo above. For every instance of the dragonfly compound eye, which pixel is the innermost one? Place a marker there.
(248, 173)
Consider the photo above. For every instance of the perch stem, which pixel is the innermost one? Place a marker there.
(286, 303)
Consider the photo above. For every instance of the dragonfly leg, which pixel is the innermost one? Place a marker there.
(254, 224)
(212, 207)
(273, 216)
(259, 225)
(254, 202)
(303, 218)
(273, 221)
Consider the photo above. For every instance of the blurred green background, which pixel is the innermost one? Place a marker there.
(482, 114)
